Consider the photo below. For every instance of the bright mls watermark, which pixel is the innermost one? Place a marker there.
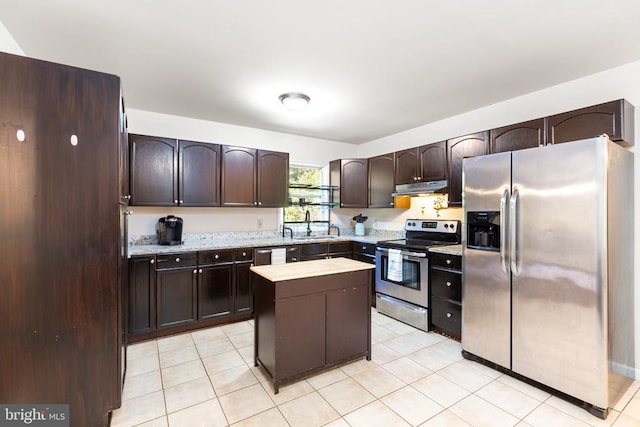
(38, 415)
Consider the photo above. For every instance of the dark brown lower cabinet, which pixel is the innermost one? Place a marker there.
(307, 325)
(243, 287)
(171, 293)
(142, 289)
(215, 291)
(445, 280)
(176, 297)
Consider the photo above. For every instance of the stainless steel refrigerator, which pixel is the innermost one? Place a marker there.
(548, 267)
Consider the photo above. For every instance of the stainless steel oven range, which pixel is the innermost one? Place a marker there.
(402, 269)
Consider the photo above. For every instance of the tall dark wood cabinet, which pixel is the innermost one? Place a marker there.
(476, 144)
(251, 177)
(614, 118)
(518, 136)
(381, 181)
(60, 213)
(350, 175)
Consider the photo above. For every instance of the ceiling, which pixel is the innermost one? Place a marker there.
(371, 67)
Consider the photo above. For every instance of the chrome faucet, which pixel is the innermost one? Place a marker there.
(307, 218)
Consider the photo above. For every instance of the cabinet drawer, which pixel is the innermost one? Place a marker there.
(215, 257)
(185, 259)
(314, 249)
(340, 247)
(446, 284)
(446, 315)
(243, 254)
(364, 248)
(446, 261)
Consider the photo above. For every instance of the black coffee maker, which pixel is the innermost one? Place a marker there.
(169, 230)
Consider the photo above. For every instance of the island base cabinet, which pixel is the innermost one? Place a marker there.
(301, 343)
(347, 317)
(307, 325)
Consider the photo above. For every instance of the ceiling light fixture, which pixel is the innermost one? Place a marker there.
(294, 101)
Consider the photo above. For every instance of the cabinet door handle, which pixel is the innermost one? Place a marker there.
(175, 201)
(259, 203)
(177, 259)
(244, 254)
(448, 261)
(217, 256)
(200, 271)
(153, 261)
(195, 271)
(181, 201)
(448, 314)
(448, 284)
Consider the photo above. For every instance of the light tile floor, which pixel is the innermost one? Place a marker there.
(207, 378)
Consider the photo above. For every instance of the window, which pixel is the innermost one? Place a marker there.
(306, 193)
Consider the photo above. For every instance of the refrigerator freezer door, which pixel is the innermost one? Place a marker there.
(486, 294)
(559, 335)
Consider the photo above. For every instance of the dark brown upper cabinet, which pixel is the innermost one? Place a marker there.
(406, 169)
(421, 164)
(476, 144)
(518, 136)
(199, 178)
(614, 118)
(433, 161)
(273, 179)
(381, 181)
(253, 177)
(167, 172)
(154, 170)
(350, 175)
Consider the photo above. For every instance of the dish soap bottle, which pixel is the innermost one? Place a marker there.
(359, 219)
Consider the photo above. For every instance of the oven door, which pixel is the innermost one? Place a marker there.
(414, 286)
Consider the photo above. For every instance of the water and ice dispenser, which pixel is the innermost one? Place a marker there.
(483, 230)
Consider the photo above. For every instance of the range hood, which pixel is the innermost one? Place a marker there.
(421, 188)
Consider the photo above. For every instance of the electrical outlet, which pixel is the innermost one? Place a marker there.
(259, 223)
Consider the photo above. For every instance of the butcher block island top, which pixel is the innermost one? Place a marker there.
(299, 270)
(311, 316)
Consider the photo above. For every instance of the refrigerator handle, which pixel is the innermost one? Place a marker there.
(513, 231)
(504, 230)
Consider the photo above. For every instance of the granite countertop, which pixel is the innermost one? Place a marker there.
(300, 270)
(448, 250)
(145, 245)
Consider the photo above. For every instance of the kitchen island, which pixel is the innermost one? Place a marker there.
(311, 316)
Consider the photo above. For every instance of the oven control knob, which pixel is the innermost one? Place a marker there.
(446, 226)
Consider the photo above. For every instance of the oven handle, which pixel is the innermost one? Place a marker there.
(404, 253)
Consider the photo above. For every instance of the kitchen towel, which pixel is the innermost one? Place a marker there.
(395, 265)
(278, 256)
